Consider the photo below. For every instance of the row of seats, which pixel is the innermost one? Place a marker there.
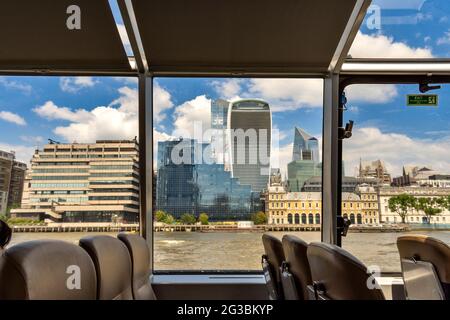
(101, 267)
(321, 271)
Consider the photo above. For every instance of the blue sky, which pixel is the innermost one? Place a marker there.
(84, 109)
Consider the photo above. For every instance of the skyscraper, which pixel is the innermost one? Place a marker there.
(197, 184)
(306, 147)
(219, 123)
(250, 129)
(305, 162)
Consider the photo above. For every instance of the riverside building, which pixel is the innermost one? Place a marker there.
(76, 182)
(12, 175)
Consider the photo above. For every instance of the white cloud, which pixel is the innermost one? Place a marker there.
(445, 39)
(23, 153)
(50, 111)
(287, 94)
(395, 150)
(381, 46)
(75, 84)
(374, 93)
(12, 117)
(11, 84)
(229, 88)
(280, 156)
(192, 117)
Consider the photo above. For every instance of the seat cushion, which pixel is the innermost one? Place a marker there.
(140, 260)
(113, 267)
(47, 270)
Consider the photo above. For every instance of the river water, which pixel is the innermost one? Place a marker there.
(243, 250)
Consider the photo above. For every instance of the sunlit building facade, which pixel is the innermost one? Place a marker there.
(92, 183)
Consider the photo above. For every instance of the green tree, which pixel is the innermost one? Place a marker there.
(169, 219)
(160, 216)
(3, 217)
(402, 204)
(187, 218)
(203, 218)
(259, 218)
(429, 206)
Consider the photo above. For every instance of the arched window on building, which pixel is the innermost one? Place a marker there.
(297, 218)
(358, 218)
(317, 218)
(303, 218)
(289, 218)
(310, 218)
(352, 218)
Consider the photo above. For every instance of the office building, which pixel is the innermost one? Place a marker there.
(250, 129)
(374, 169)
(305, 147)
(96, 182)
(12, 175)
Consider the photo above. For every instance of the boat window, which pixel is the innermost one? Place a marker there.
(69, 162)
(396, 168)
(404, 29)
(233, 158)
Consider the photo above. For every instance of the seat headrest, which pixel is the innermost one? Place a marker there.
(140, 260)
(273, 248)
(47, 270)
(113, 266)
(428, 249)
(295, 253)
(342, 275)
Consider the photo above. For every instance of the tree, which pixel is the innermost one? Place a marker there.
(429, 206)
(259, 218)
(160, 216)
(401, 204)
(187, 218)
(164, 217)
(203, 218)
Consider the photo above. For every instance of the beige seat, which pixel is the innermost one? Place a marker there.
(47, 270)
(140, 261)
(338, 275)
(275, 256)
(297, 260)
(418, 251)
(113, 267)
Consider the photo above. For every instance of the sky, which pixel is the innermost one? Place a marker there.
(83, 109)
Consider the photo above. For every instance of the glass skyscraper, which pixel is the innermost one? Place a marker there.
(305, 160)
(250, 129)
(198, 185)
(306, 147)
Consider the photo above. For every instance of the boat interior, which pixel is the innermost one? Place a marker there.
(286, 39)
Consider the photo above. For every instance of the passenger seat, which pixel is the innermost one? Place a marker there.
(275, 256)
(113, 266)
(338, 275)
(140, 261)
(297, 263)
(425, 265)
(47, 270)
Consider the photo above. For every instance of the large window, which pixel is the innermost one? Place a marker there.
(396, 177)
(234, 158)
(68, 156)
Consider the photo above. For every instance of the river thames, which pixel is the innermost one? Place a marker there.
(243, 250)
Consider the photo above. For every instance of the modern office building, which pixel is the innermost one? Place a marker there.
(198, 185)
(12, 175)
(219, 124)
(300, 171)
(96, 182)
(219, 114)
(305, 147)
(250, 129)
(349, 184)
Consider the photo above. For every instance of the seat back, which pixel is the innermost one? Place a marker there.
(338, 275)
(47, 270)
(424, 259)
(273, 249)
(140, 262)
(113, 266)
(295, 253)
